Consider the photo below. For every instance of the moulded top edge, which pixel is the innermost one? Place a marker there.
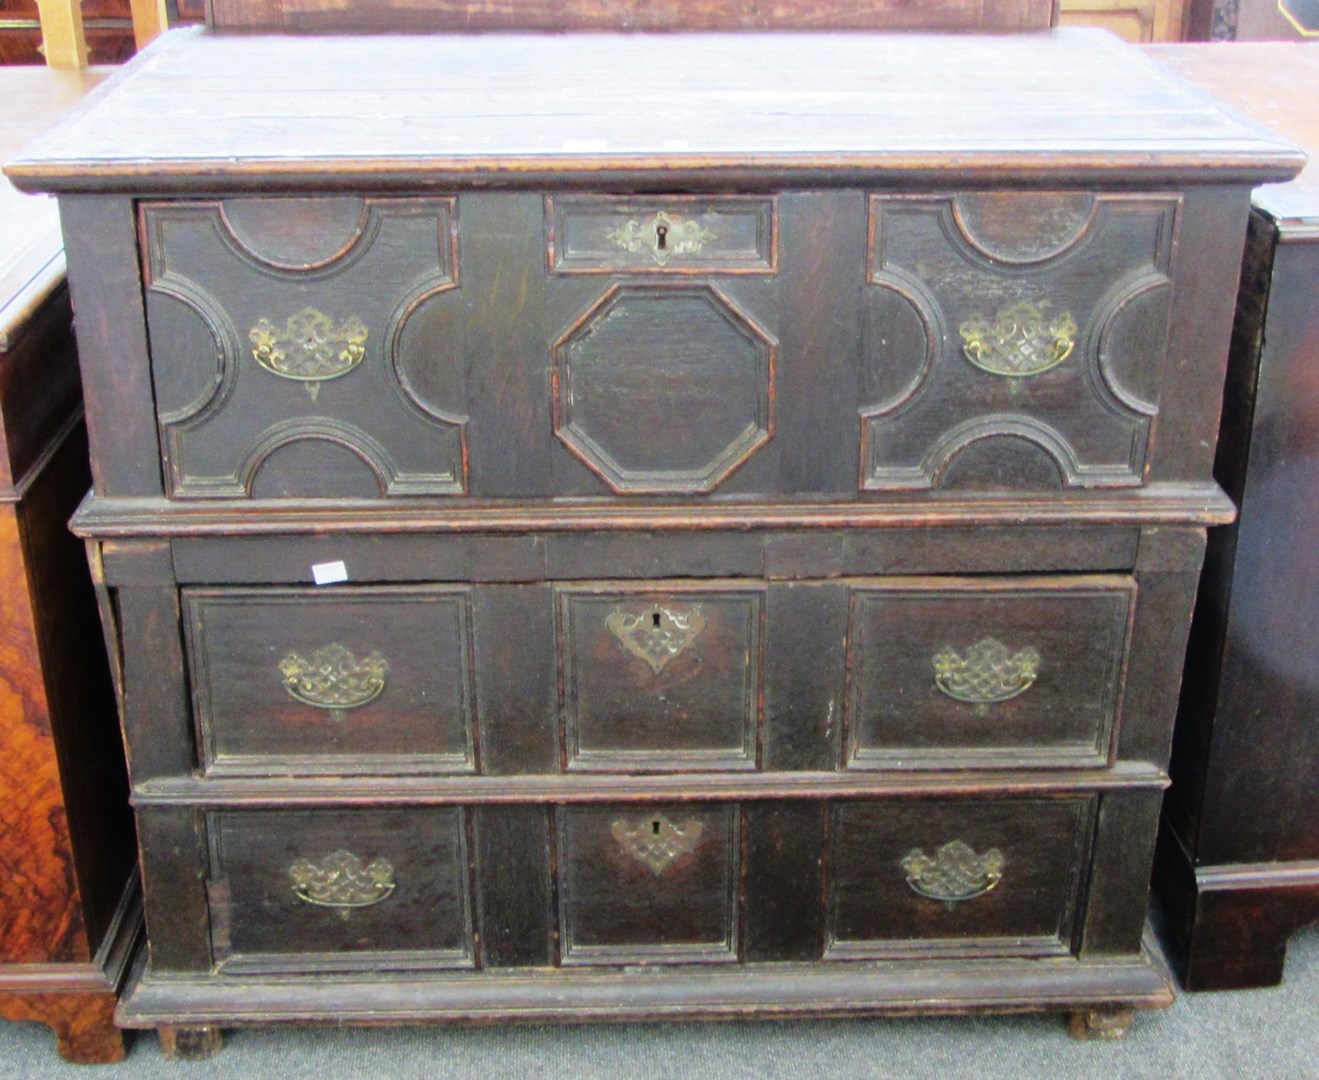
(199, 108)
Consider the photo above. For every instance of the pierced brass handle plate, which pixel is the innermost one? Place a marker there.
(1018, 341)
(657, 841)
(334, 678)
(657, 635)
(310, 348)
(989, 672)
(342, 880)
(954, 873)
(662, 236)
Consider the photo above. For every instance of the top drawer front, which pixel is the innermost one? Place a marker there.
(1034, 318)
(283, 360)
(322, 347)
(672, 234)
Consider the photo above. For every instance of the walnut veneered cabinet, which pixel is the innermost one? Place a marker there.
(70, 908)
(594, 537)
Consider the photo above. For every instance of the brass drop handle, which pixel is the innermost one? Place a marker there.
(334, 678)
(988, 672)
(1019, 340)
(342, 880)
(310, 347)
(954, 873)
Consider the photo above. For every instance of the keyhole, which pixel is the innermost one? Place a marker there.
(654, 828)
(655, 619)
(661, 234)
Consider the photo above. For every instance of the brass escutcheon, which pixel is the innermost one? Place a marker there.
(662, 236)
(657, 635)
(657, 841)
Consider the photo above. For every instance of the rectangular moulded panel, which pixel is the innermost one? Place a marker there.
(340, 890)
(662, 234)
(338, 681)
(661, 676)
(986, 672)
(947, 877)
(649, 884)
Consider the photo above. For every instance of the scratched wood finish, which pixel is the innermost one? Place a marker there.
(558, 15)
(712, 502)
(1048, 107)
(1239, 854)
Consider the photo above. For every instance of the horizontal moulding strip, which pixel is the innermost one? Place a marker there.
(1171, 504)
(680, 787)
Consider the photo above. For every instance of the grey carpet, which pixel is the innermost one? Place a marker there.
(1246, 1035)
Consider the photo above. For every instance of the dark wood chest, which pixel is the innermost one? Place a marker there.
(585, 543)
(70, 909)
(1239, 865)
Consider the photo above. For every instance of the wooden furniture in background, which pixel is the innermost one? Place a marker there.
(1239, 857)
(1132, 20)
(1277, 20)
(689, 553)
(70, 909)
(73, 33)
(99, 32)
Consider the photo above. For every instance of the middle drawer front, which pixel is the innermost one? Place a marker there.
(640, 883)
(660, 676)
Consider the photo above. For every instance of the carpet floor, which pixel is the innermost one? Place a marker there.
(1247, 1035)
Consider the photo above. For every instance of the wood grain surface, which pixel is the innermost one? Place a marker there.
(240, 110)
(35, 850)
(465, 15)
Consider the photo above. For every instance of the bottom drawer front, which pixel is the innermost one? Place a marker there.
(955, 877)
(339, 890)
(648, 884)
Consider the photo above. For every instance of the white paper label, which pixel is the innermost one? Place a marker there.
(329, 573)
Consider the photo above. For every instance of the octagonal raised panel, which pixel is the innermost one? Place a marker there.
(662, 388)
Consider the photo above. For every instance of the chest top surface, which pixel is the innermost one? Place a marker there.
(202, 110)
(1276, 83)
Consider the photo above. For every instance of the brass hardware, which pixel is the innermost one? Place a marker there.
(1021, 340)
(656, 841)
(333, 678)
(955, 872)
(988, 673)
(341, 880)
(310, 348)
(657, 636)
(663, 237)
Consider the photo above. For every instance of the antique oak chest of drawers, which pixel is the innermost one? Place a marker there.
(623, 526)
